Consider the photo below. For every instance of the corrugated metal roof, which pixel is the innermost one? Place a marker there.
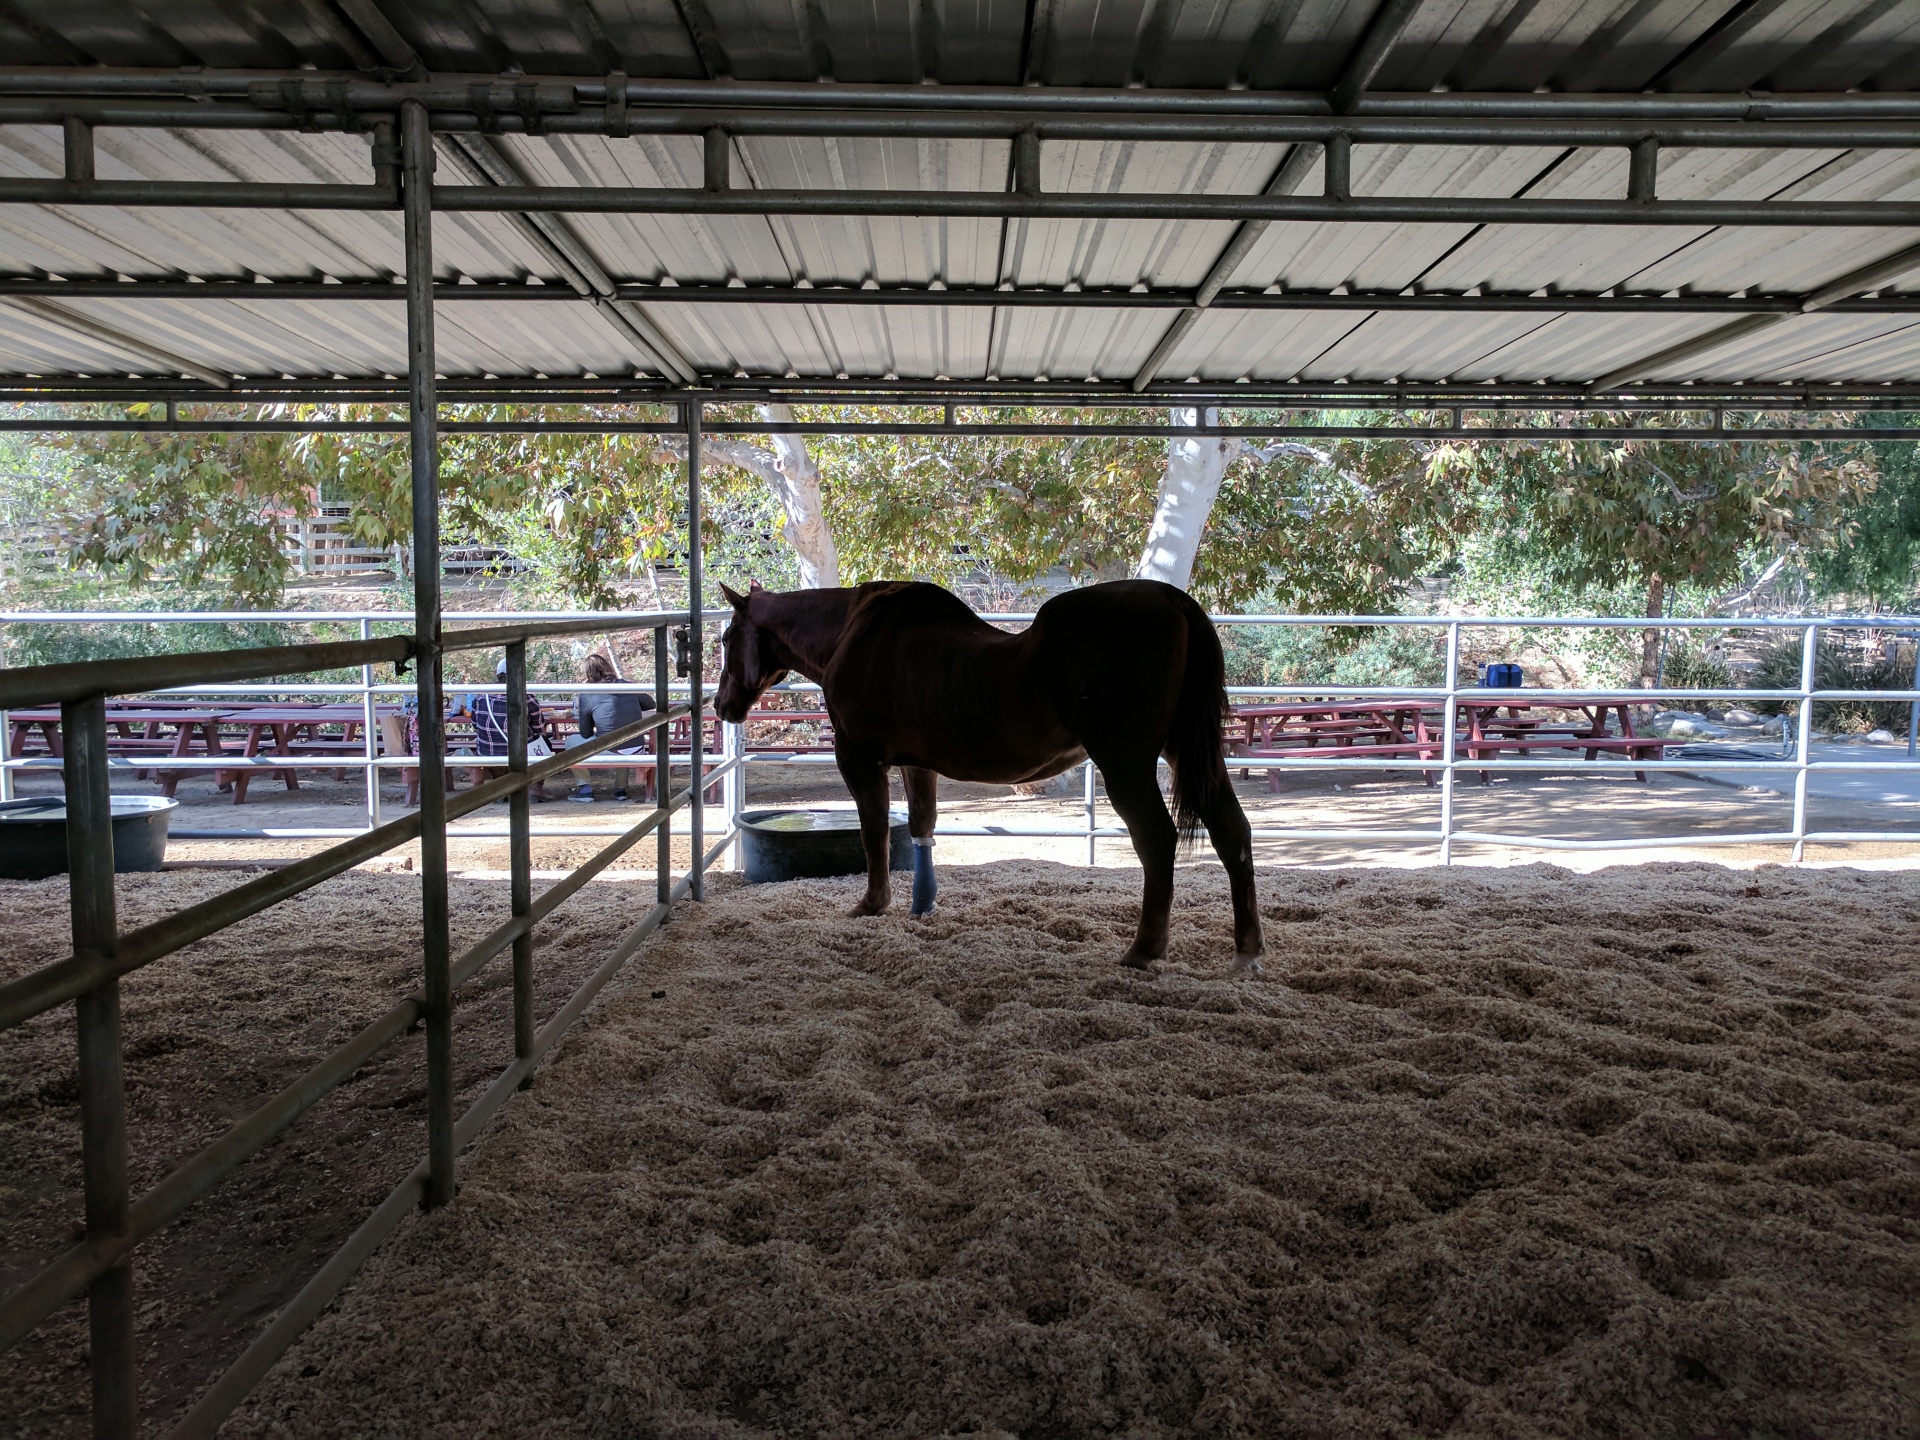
(1491, 45)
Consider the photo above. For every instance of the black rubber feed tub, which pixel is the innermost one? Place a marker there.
(33, 835)
(812, 844)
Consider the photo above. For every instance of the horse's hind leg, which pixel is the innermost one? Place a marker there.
(1134, 789)
(1232, 839)
(867, 779)
(923, 809)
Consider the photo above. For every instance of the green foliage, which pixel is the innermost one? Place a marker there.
(1843, 661)
(203, 510)
(1303, 655)
(1880, 558)
(1340, 526)
(1343, 528)
(1603, 513)
(941, 507)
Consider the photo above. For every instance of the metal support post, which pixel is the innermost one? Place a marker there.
(662, 772)
(417, 170)
(1087, 784)
(520, 851)
(733, 789)
(1449, 727)
(696, 672)
(1809, 656)
(1913, 710)
(103, 1099)
(370, 730)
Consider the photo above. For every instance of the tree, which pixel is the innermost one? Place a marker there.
(592, 509)
(1880, 558)
(1607, 511)
(203, 508)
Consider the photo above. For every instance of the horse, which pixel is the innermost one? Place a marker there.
(1121, 673)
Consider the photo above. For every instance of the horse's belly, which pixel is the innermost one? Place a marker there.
(990, 765)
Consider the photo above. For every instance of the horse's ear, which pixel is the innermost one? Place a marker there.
(753, 585)
(734, 597)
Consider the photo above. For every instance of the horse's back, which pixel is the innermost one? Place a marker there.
(1115, 654)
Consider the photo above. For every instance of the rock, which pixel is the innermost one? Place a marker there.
(1880, 737)
(1693, 727)
(1738, 716)
(1774, 724)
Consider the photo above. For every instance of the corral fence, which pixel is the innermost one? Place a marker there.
(1450, 755)
(100, 1264)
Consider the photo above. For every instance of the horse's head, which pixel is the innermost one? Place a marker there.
(754, 657)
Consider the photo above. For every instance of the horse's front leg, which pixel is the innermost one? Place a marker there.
(923, 809)
(867, 779)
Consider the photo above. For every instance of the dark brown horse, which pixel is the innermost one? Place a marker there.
(1122, 673)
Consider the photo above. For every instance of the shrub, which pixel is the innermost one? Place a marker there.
(1303, 655)
(1844, 661)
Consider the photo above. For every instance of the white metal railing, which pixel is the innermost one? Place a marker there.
(1446, 763)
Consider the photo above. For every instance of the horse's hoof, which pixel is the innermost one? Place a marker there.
(1138, 960)
(868, 907)
(1246, 965)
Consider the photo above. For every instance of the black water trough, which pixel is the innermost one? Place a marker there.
(33, 835)
(811, 844)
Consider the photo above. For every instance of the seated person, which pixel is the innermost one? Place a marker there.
(489, 716)
(599, 711)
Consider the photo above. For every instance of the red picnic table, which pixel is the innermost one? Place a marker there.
(132, 730)
(1360, 729)
(291, 730)
(1333, 730)
(1483, 731)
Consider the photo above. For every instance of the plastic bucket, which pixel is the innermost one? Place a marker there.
(813, 844)
(33, 835)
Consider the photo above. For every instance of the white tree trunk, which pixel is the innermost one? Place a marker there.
(789, 472)
(1194, 470)
(798, 489)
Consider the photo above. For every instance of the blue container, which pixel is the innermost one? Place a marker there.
(1502, 676)
(813, 844)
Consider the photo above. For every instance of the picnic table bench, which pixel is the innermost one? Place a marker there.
(1393, 729)
(138, 730)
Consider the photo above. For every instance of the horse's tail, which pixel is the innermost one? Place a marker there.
(1196, 748)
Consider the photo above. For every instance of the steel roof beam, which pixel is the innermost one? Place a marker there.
(1495, 303)
(1041, 430)
(534, 107)
(152, 354)
(371, 22)
(563, 248)
(757, 390)
(371, 93)
(1295, 168)
(1890, 267)
(1383, 33)
(976, 204)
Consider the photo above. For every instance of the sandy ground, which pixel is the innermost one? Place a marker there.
(1487, 1152)
(209, 1034)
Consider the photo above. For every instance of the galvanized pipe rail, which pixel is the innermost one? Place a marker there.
(100, 1264)
(1448, 763)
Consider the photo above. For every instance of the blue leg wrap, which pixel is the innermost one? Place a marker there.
(925, 887)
